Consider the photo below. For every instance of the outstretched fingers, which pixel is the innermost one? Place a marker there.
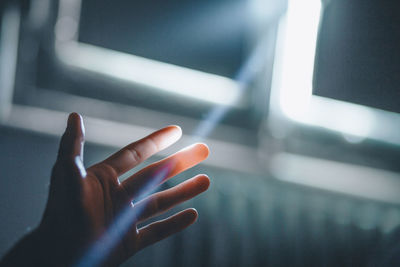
(161, 202)
(159, 230)
(146, 179)
(135, 153)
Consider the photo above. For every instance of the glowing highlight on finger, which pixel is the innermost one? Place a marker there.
(178, 162)
(79, 165)
(173, 136)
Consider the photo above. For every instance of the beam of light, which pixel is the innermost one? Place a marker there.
(122, 224)
(103, 247)
(244, 76)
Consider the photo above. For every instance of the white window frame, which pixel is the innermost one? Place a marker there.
(291, 96)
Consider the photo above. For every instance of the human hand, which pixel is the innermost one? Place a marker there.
(90, 219)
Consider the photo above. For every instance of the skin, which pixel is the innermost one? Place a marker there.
(83, 203)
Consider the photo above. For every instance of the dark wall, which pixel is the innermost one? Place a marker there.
(358, 56)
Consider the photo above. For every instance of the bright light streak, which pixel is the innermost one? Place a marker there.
(211, 120)
(244, 76)
(148, 73)
(122, 224)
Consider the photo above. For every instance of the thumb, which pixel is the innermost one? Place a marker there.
(71, 144)
(68, 164)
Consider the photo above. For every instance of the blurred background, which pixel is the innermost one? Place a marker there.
(298, 101)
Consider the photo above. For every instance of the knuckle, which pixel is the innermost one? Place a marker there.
(152, 144)
(104, 170)
(135, 154)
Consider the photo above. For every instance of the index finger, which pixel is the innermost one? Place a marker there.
(157, 173)
(135, 153)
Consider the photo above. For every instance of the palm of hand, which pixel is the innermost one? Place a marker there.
(85, 205)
